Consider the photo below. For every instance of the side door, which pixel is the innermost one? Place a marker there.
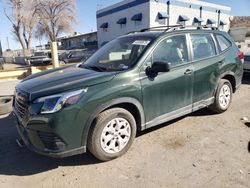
(206, 65)
(168, 95)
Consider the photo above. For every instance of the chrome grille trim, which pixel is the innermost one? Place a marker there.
(20, 106)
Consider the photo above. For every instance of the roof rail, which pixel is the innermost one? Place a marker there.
(175, 27)
(159, 28)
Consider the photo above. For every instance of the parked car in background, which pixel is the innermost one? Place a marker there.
(1, 63)
(246, 65)
(74, 56)
(134, 82)
(40, 58)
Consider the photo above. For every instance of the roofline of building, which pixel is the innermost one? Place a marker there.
(75, 36)
(127, 4)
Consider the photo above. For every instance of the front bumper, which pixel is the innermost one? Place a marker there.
(39, 61)
(23, 134)
(56, 135)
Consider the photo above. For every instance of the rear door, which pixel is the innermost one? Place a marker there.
(206, 66)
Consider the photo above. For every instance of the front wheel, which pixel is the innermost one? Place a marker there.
(223, 97)
(112, 134)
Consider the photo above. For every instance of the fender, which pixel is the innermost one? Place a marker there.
(107, 105)
(221, 76)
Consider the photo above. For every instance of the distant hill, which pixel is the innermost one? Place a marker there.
(241, 21)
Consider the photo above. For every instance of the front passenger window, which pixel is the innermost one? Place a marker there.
(172, 50)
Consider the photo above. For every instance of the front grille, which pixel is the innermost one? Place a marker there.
(21, 107)
(51, 141)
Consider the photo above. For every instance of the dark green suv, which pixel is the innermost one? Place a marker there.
(134, 82)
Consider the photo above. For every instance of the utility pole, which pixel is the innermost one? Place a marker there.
(1, 50)
(8, 44)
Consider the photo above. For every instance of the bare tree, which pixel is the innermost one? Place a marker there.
(23, 16)
(55, 17)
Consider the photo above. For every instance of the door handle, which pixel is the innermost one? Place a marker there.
(188, 72)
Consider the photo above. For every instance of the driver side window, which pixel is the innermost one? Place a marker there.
(172, 50)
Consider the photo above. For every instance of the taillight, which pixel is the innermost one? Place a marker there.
(241, 56)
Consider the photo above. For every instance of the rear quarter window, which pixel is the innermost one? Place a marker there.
(223, 42)
(203, 46)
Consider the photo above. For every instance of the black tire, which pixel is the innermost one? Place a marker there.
(216, 106)
(5, 105)
(94, 138)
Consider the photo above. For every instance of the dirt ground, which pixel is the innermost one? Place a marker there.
(198, 150)
(10, 66)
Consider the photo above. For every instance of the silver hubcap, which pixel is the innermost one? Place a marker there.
(115, 135)
(225, 96)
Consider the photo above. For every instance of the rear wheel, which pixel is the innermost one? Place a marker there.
(223, 97)
(112, 134)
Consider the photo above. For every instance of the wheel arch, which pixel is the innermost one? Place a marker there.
(227, 76)
(231, 79)
(130, 104)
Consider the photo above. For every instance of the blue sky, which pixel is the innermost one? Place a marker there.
(86, 16)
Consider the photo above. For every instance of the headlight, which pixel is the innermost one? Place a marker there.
(54, 103)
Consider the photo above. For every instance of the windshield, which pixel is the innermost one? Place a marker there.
(76, 53)
(119, 54)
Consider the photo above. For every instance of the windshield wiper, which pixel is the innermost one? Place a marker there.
(93, 67)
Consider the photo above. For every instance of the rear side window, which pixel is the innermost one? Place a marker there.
(223, 42)
(203, 46)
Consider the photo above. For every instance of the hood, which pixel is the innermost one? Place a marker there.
(60, 80)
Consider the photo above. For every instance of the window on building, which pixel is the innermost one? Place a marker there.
(161, 17)
(203, 46)
(105, 26)
(137, 23)
(172, 50)
(223, 42)
(137, 18)
(122, 26)
(122, 22)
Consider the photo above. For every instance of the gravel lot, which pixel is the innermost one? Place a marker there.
(198, 150)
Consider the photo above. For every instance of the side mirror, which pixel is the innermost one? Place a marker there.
(160, 66)
(157, 67)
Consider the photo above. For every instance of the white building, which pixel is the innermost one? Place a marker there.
(134, 15)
